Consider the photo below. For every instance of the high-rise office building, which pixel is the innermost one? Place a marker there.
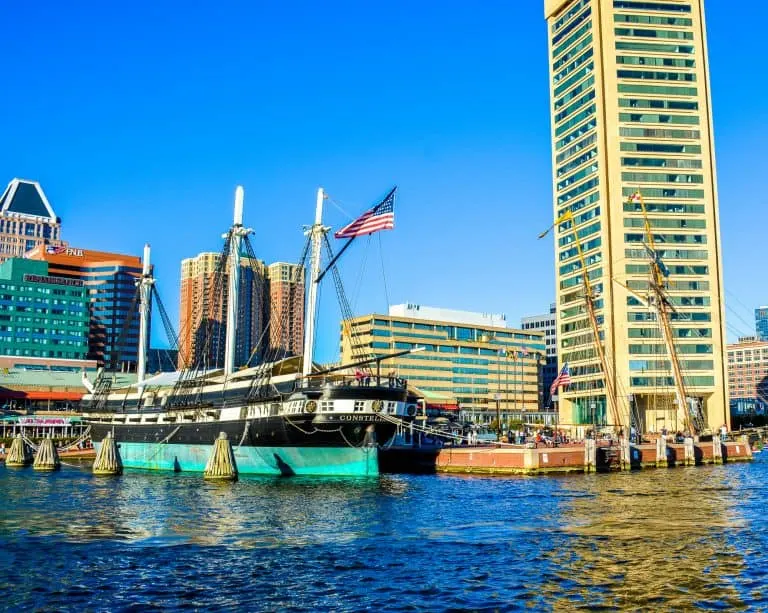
(203, 307)
(631, 110)
(286, 307)
(761, 323)
(26, 219)
(546, 324)
(110, 282)
(41, 315)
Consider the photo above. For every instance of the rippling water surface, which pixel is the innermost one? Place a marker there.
(684, 538)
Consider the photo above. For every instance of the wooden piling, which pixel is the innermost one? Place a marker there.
(689, 454)
(19, 455)
(47, 458)
(626, 454)
(717, 450)
(221, 465)
(108, 462)
(661, 452)
(590, 455)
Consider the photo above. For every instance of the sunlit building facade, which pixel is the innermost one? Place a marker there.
(41, 315)
(203, 309)
(748, 377)
(110, 282)
(27, 219)
(631, 110)
(545, 323)
(286, 308)
(478, 364)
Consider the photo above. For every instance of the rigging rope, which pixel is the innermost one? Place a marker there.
(383, 273)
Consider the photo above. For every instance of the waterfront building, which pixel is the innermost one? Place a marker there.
(546, 324)
(286, 307)
(203, 309)
(110, 281)
(41, 315)
(463, 357)
(631, 110)
(26, 219)
(761, 323)
(748, 378)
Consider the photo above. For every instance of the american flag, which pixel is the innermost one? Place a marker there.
(50, 249)
(635, 198)
(380, 217)
(564, 378)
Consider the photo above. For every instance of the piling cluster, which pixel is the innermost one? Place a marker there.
(221, 465)
(47, 458)
(108, 462)
(20, 453)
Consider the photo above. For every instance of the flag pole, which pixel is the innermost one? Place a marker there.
(349, 242)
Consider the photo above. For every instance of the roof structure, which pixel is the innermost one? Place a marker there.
(26, 198)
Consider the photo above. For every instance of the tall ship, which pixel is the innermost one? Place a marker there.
(284, 416)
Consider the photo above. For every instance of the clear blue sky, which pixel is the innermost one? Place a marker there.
(140, 118)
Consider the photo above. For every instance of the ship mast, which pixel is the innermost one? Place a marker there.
(589, 299)
(236, 233)
(316, 233)
(662, 306)
(145, 292)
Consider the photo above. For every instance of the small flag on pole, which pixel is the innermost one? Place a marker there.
(635, 198)
(380, 217)
(564, 378)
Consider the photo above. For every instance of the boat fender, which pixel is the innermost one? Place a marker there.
(377, 405)
(311, 406)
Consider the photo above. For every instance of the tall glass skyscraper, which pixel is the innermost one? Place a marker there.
(631, 110)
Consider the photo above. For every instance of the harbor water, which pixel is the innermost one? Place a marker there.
(685, 538)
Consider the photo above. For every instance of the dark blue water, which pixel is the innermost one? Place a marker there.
(687, 538)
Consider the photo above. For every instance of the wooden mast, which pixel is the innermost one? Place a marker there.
(589, 298)
(662, 306)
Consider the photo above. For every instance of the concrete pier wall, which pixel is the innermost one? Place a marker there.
(571, 458)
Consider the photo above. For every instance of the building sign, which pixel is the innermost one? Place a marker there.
(53, 250)
(44, 421)
(53, 280)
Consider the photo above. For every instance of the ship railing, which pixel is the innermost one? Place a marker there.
(359, 379)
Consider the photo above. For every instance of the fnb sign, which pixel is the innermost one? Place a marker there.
(52, 250)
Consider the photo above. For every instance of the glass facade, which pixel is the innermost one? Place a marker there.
(630, 112)
(761, 323)
(41, 315)
(475, 365)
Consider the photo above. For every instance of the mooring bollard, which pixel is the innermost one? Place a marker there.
(717, 450)
(626, 454)
(690, 454)
(221, 465)
(19, 455)
(590, 455)
(661, 452)
(47, 458)
(108, 462)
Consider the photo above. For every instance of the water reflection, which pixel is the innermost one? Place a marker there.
(666, 539)
(656, 540)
